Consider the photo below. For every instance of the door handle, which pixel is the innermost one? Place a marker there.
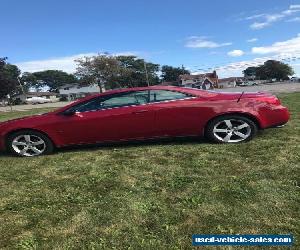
(139, 111)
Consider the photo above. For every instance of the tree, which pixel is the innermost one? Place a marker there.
(116, 72)
(9, 74)
(28, 80)
(134, 72)
(269, 70)
(250, 72)
(274, 69)
(169, 73)
(53, 79)
(102, 70)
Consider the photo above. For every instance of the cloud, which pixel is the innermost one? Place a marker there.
(203, 42)
(295, 6)
(266, 19)
(291, 46)
(253, 17)
(295, 19)
(258, 26)
(236, 53)
(236, 68)
(252, 40)
(66, 64)
(286, 51)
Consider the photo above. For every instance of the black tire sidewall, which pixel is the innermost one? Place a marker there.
(49, 145)
(209, 128)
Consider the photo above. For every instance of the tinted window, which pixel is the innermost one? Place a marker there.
(113, 101)
(128, 99)
(94, 104)
(165, 95)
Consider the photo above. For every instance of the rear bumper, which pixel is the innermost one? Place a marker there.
(275, 116)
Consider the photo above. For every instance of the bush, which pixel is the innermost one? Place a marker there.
(17, 102)
(63, 98)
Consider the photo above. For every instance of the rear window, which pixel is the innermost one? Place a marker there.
(166, 95)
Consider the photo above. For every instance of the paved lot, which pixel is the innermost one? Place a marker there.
(273, 88)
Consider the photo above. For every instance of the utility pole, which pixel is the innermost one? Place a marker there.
(147, 77)
(9, 101)
(21, 86)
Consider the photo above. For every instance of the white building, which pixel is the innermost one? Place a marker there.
(229, 82)
(75, 91)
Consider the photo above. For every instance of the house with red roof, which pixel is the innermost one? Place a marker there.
(200, 81)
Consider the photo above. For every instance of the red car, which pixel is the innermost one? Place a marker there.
(145, 113)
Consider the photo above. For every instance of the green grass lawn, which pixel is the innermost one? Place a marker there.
(152, 195)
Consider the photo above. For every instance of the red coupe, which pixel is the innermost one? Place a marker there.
(145, 113)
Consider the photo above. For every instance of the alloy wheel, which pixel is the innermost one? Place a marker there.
(232, 130)
(28, 145)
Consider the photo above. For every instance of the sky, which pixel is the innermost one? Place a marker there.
(202, 35)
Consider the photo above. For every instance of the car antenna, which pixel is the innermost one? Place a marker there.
(240, 96)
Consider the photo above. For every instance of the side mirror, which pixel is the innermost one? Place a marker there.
(69, 112)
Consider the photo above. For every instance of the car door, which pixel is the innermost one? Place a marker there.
(117, 117)
(177, 113)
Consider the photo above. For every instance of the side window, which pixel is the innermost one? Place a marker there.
(127, 99)
(166, 95)
(94, 104)
(113, 101)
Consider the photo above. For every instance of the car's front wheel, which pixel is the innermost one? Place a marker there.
(29, 143)
(231, 129)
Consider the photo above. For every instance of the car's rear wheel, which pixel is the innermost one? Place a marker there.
(231, 129)
(29, 143)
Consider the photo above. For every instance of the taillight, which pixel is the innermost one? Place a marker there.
(273, 100)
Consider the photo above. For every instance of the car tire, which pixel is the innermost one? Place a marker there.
(231, 129)
(28, 143)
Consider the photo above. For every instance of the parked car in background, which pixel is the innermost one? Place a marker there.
(295, 79)
(145, 113)
(37, 100)
(35, 97)
(246, 84)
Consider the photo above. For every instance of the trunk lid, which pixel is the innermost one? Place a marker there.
(258, 96)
